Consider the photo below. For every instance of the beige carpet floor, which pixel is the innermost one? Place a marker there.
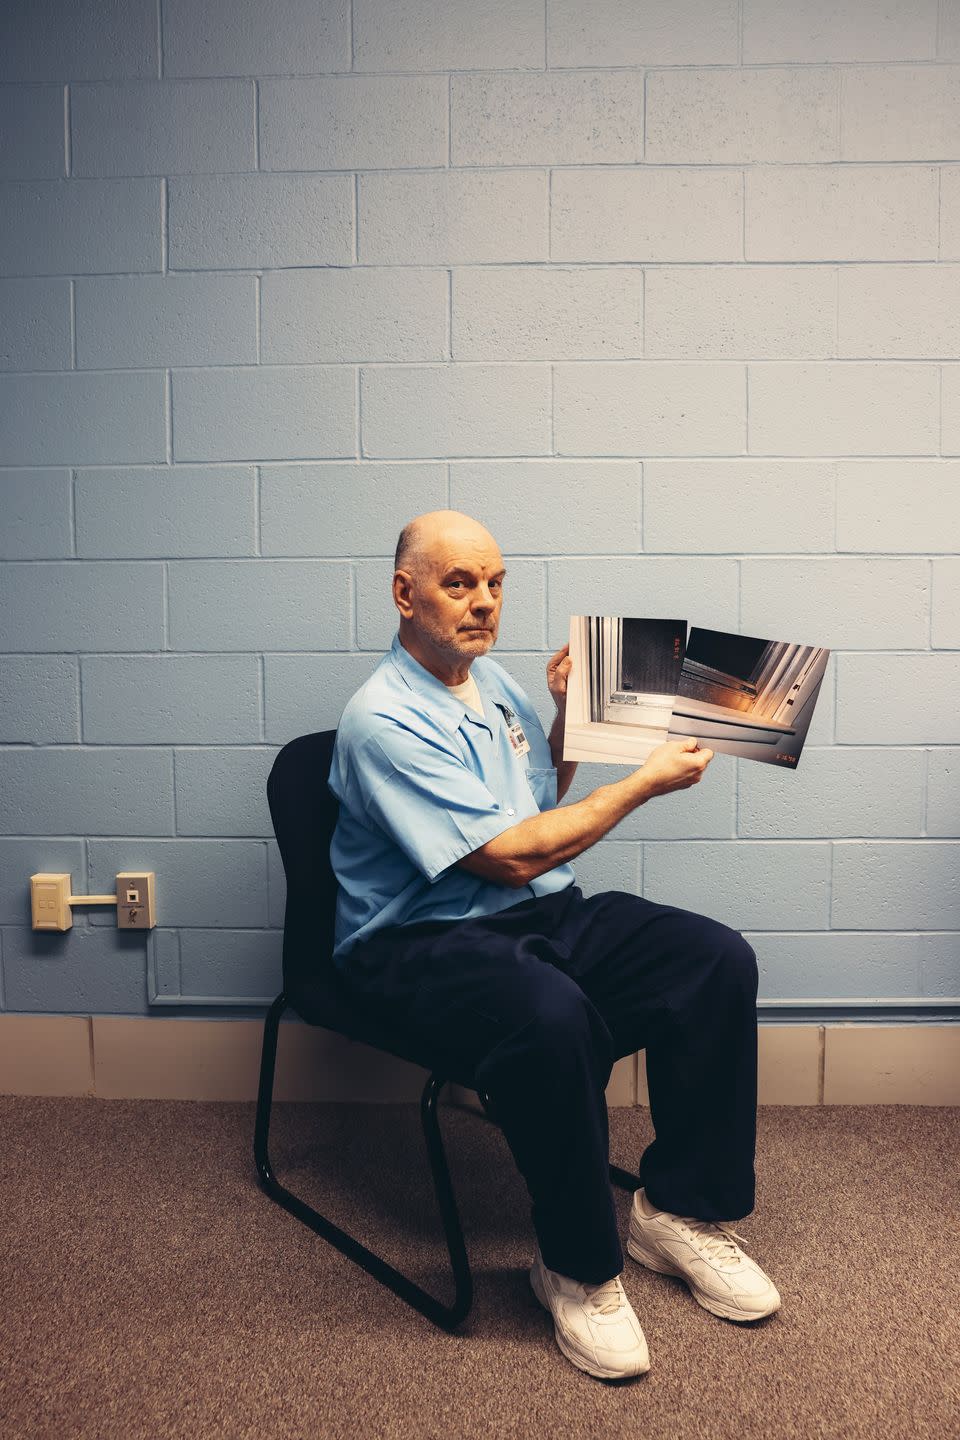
(149, 1288)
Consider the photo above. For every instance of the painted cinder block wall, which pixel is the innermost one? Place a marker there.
(666, 294)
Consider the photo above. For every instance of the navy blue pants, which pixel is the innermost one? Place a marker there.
(539, 1000)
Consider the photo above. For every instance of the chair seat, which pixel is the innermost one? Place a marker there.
(323, 1001)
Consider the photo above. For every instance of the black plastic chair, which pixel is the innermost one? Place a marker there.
(304, 814)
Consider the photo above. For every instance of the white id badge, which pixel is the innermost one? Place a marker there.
(519, 741)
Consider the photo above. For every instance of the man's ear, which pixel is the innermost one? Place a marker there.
(402, 592)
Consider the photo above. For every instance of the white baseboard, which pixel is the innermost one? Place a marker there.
(116, 1057)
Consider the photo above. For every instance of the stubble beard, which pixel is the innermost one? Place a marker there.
(461, 645)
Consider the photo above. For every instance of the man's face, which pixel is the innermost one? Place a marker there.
(456, 597)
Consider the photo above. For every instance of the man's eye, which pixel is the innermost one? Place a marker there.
(454, 584)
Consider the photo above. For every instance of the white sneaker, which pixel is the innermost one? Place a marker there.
(704, 1254)
(594, 1325)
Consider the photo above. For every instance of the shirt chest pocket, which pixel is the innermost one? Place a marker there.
(542, 781)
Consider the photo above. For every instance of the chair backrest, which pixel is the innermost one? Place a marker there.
(304, 814)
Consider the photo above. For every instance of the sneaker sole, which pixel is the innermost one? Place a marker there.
(572, 1355)
(716, 1307)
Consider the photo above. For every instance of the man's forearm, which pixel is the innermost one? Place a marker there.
(566, 769)
(544, 841)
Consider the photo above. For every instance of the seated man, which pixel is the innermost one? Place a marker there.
(459, 917)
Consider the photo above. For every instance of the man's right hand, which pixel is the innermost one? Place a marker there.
(675, 765)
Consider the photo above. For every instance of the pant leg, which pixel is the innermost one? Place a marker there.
(489, 994)
(684, 987)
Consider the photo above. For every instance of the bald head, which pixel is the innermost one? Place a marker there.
(448, 588)
(423, 540)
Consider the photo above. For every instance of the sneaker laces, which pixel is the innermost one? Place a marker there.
(721, 1246)
(605, 1299)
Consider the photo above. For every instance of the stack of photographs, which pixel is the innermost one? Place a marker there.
(636, 683)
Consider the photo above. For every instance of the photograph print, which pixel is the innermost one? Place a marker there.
(622, 686)
(636, 682)
(746, 696)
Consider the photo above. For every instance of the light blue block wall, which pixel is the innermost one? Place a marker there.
(664, 295)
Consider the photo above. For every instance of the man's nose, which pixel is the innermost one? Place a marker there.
(484, 600)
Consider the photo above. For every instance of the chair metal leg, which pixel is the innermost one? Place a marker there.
(625, 1178)
(448, 1317)
(446, 1200)
(268, 1062)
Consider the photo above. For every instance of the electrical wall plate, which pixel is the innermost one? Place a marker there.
(136, 900)
(50, 902)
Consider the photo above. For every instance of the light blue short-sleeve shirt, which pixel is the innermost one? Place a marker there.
(422, 781)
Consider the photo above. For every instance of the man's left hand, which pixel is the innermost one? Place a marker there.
(558, 671)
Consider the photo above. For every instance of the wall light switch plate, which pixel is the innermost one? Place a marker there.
(50, 902)
(136, 900)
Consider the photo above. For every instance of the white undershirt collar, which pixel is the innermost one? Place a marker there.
(469, 693)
